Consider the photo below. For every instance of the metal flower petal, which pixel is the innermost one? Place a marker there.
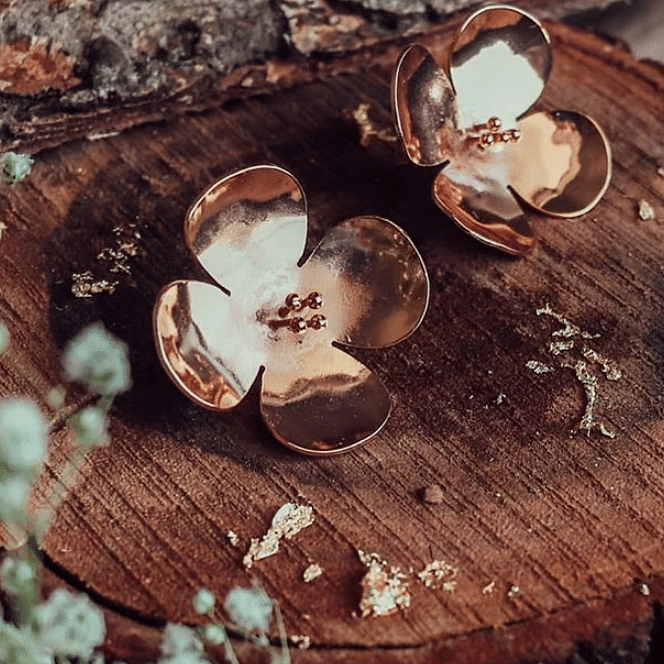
(323, 402)
(195, 329)
(365, 284)
(562, 164)
(425, 108)
(500, 62)
(376, 288)
(559, 163)
(254, 219)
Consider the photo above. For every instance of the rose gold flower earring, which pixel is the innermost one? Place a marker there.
(364, 286)
(470, 115)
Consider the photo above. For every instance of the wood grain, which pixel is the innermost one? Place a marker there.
(571, 519)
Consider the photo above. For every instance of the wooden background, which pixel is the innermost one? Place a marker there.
(572, 519)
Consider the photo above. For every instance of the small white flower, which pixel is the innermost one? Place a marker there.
(89, 425)
(98, 360)
(16, 576)
(18, 646)
(249, 608)
(214, 634)
(181, 645)
(203, 601)
(23, 435)
(69, 625)
(179, 640)
(14, 492)
(15, 166)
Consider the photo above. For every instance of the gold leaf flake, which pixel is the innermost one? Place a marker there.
(301, 641)
(560, 347)
(383, 591)
(610, 369)
(513, 591)
(569, 329)
(646, 211)
(312, 572)
(439, 574)
(489, 588)
(288, 521)
(538, 367)
(84, 284)
(367, 128)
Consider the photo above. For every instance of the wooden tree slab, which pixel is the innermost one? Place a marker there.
(555, 533)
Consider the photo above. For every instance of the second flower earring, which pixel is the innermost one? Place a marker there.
(470, 114)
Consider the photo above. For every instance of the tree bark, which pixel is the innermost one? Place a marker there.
(68, 66)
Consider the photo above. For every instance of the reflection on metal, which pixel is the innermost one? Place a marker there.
(366, 284)
(470, 117)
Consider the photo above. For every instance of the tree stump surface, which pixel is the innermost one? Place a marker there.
(554, 534)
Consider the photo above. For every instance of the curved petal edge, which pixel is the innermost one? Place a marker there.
(512, 234)
(501, 60)
(374, 282)
(195, 328)
(253, 219)
(326, 405)
(562, 165)
(424, 107)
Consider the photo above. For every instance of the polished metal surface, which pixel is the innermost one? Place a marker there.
(254, 220)
(562, 165)
(364, 285)
(425, 109)
(559, 162)
(195, 327)
(500, 62)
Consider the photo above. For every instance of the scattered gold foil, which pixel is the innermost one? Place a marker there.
(312, 572)
(368, 129)
(84, 284)
(113, 260)
(288, 521)
(439, 574)
(384, 590)
(585, 366)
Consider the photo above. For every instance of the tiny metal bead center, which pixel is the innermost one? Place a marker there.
(295, 304)
(492, 133)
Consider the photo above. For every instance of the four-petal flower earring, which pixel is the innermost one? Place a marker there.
(364, 285)
(470, 114)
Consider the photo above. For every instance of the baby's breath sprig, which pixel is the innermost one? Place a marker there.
(99, 361)
(15, 166)
(250, 612)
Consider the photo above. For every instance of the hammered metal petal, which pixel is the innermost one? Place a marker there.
(500, 63)
(373, 279)
(424, 107)
(323, 403)
(496, 220)
(562, 164)
(253, 220)
(196, 332)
